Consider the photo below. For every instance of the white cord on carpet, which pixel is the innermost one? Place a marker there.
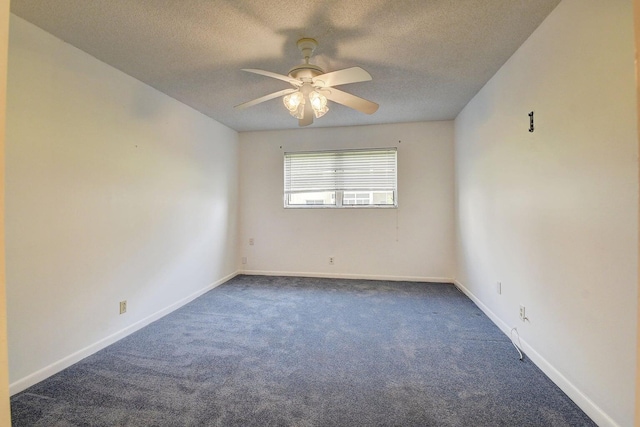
(514, 344)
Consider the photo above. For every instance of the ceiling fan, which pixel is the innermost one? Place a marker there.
(312, 87)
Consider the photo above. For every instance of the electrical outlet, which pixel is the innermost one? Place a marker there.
(523, 315)
(331, 260)
(244, 259)
(251, 241)
(123, 307)
(499, 288)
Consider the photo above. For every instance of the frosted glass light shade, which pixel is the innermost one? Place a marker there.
(294, 102)
(319, 104)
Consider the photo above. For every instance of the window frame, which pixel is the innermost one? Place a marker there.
(338, 195)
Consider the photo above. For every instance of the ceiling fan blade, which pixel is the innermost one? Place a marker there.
(350, 101)
(287, 79)
(307, 118)
(265, 98)
(342, 77)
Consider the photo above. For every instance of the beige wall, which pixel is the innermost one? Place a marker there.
(4, 364)
(636, 15)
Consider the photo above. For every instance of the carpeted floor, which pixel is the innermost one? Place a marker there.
(284, 351)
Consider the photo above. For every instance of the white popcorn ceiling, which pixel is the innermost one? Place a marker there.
(428, 58)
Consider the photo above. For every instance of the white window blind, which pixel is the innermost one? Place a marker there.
(349, 170)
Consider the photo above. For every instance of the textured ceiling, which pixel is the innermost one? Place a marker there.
(428, 58)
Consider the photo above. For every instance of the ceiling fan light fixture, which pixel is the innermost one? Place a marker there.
(294, 102)
(319, 104)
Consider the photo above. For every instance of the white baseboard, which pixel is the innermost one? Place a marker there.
(67, 361)
(587, 405)
(347, 276)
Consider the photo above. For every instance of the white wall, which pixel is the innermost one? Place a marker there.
(414, 241)
(553, 214)
(114, 191)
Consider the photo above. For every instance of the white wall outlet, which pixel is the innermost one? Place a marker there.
(251, 241)
(523, 314)
(499, 288)
(244, 259)
(331, 260)
(123, 307)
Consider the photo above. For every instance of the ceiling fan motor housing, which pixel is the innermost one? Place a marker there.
(306, 72)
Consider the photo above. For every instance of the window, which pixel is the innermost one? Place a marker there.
(341, 179)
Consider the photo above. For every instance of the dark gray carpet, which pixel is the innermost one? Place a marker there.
(275, 351)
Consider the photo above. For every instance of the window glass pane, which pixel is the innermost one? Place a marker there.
(383, 198)
(312, 198)
(373, 198)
